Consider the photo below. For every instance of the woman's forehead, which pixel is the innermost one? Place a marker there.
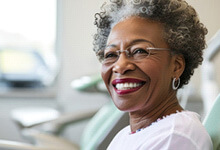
(136, 28)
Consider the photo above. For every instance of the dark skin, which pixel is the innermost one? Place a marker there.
(155, 98)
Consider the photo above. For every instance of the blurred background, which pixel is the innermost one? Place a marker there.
(47, 44)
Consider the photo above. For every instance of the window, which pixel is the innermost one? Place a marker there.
(27, 43)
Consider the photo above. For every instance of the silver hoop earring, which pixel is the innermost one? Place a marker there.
(174, 85)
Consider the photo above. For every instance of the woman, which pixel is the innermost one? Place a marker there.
(148, 50)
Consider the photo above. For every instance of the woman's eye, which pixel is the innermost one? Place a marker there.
(140, 51)
(110, 55)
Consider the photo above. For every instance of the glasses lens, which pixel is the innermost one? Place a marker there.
(110, 56)
(140, 51)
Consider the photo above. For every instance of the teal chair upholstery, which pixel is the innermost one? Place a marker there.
(103, 127)
(212, 123)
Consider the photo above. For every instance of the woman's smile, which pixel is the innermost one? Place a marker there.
(127, 85)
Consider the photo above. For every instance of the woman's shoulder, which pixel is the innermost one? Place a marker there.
(186, 126)
(181, 129)
(187, 119)
(184, 122)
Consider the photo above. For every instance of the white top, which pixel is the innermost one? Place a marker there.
(179, 131)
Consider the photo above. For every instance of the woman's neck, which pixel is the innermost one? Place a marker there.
(144, 118)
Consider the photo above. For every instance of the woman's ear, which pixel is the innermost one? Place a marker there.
(179, 65)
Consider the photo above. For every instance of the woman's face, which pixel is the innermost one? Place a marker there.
(142, 84)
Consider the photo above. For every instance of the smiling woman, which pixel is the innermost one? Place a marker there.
(148, 50)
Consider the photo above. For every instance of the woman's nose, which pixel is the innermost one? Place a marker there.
(123, 64)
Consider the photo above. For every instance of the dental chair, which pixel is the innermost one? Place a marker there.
(97, 135)
(38, 117)
(210, 90)
(100, 130)
(212, 123)
(209, 87)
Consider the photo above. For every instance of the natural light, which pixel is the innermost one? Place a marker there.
(33, 21)
(27, 26)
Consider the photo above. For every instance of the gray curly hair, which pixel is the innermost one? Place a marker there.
(184, 33)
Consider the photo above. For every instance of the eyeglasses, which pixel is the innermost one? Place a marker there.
(134, 53)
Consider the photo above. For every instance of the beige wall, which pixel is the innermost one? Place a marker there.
(75, 32)
(208, 11)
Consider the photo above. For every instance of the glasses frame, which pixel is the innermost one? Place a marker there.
(128, 53)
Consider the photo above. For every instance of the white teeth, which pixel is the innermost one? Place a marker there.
(125, 86)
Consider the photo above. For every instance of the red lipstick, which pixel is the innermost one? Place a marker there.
(127, 80)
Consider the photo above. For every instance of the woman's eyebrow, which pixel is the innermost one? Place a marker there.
(111, 45)
(141, 40)
(133, 42)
